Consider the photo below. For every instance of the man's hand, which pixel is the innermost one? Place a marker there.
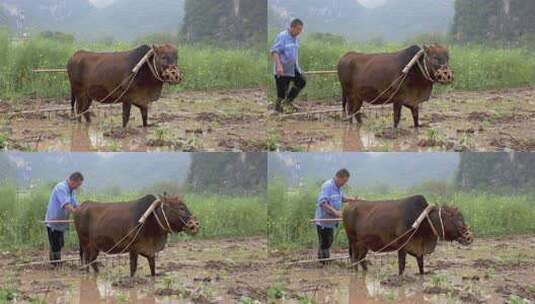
(351, 199)
(70, 208)
(280, 70)
(331, 210)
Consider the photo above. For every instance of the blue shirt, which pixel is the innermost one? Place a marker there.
(288, 49)
(60, 196)
(332, 195)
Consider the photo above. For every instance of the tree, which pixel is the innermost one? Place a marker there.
(229, 173)
(495, 20)
(514, 171)
(231, 22)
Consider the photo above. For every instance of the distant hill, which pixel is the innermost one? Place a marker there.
(397, 170)
(48, 13)
(395, 20)
(131, 171)
(123, 20)
(130, 19)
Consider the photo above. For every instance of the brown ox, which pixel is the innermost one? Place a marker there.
(372, 225)
(364, 77)
(102, 226)
(104, 77)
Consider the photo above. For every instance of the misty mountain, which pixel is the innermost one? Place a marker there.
(395, 20)
(45, 13)
(397, 170)
(123, 20)
(129, 171)
(129, 19)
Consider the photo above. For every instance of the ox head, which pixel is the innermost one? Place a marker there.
(438, 63)
(179, 216)
(455, 229)
(165, 61)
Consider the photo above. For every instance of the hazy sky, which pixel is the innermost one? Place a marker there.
(101, 3)
(368, 3)
(371, 3)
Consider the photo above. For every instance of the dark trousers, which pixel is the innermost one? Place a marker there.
(56, 242)
(326, 238)
(283, 86)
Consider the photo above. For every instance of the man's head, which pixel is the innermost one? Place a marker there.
(296, 27)
(341, 177)
(75, 180)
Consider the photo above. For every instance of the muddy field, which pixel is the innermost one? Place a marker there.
(457, 121)
(188, 121)
(490, 271)
(239, 271)
(238, 120)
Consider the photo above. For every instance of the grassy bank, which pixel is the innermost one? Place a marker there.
(220, 216)
(488, 214)
(204, 67)
(476, 67)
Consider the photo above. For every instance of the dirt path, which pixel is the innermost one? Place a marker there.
(492, 270)
(188, 121)
(456, 121)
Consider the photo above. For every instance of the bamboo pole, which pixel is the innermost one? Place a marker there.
(319, 260)
(57, 222)
(326, 72)
(327, 220)
(322, 111)
(49, 70)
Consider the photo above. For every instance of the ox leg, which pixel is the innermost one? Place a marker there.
(93, 254)
(152, 265)
(133, 263)
(420, 261)
(354, 105)
(397, 113)
(415, 113)
(402, 254)
(82, 105)
(127, 106)
(362, 256)
(144, 115)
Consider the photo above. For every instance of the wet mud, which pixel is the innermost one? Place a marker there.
(491, 270)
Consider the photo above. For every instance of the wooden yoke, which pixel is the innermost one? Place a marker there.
(422, 216)
(149, 211)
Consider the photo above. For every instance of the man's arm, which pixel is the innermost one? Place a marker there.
(275, 57)
(349, 199)
(70, 207)
(276, 49)
(331, 210)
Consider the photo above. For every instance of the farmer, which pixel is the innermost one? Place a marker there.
(285, 57)
(61, 204)
(329, 206)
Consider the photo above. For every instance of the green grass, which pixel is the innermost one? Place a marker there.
(488, 214)
(204, 67)
(476, 67)
(220, 216)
